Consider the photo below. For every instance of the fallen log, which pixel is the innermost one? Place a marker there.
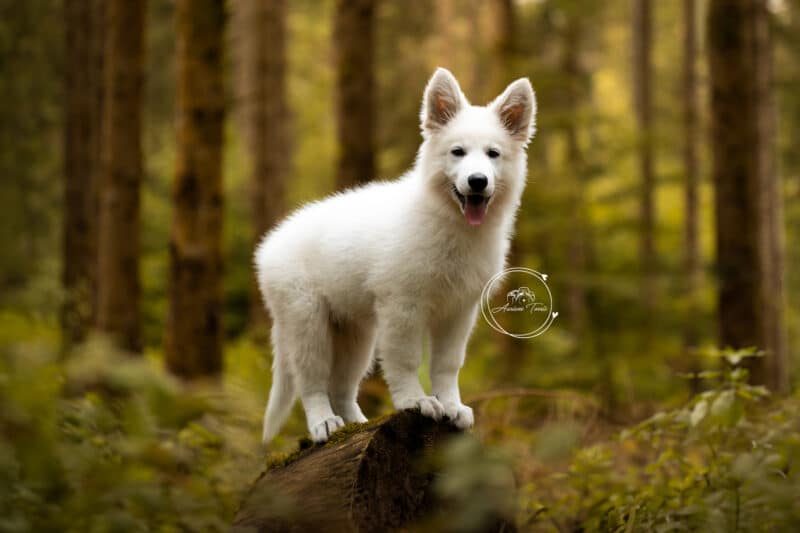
(377, 476)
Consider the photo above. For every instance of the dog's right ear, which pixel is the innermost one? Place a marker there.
(443, 99)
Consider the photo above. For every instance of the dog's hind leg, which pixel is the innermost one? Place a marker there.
(310, 337)
(353, 349)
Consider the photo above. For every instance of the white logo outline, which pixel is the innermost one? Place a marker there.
(488, 312)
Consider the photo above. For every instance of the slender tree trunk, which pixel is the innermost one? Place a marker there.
(354, 42)
(502, 47)
(642, 91)
(82, 105)
(118, 245)
(771, 204)
(749, 224)
(693, 269)
(264, 64)
(193, 342)
(446, 41)
(571, 70)
(404, 26)
(790, 44)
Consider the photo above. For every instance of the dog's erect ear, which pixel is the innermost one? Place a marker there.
(443, 99)
(517, 109)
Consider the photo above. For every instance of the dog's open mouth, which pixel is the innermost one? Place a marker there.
(473, 206)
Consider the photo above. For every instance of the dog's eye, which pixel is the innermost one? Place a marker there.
(493, 153)
(458, 152)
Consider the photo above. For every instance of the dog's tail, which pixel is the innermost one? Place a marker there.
(281, 399)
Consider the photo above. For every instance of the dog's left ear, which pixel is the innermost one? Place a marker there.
(516, 108)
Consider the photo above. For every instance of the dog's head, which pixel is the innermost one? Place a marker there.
(476, 154)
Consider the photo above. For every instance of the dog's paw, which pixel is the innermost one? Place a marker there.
(429, 406)
(459, 415)
(350, 412)
(357, 417)
(322, 431)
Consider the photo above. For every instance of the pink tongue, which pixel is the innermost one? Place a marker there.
(475, 213)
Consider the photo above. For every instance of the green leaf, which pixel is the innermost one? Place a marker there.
(698, 413)
(726, 409)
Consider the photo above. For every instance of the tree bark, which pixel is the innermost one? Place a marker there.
(577, 245)
(354, 43)
(692, 268)
(642, 92)
(747, 202)
(118, 285)
(354, 47)
(266, 114)
(378, 478)
(771, 206)
(82, 123)
(193, 342)
(502, 44)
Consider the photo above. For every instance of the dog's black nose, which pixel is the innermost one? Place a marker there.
(477, 182)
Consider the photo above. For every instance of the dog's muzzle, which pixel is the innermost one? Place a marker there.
(473, 206)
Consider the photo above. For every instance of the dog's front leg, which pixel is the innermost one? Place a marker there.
(449, 338)
(400, 328)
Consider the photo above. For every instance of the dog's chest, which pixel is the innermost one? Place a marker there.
(455, 272)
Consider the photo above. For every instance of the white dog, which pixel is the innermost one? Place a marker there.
(378, 267)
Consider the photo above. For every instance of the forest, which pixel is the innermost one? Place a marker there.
(146, 146)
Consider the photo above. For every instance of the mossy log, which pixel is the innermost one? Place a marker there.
(377, 476)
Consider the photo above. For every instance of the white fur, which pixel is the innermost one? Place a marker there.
(376, 268)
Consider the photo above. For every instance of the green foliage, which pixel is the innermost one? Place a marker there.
(725, 461)
(101, 441)
(106, 442)
(475, 485)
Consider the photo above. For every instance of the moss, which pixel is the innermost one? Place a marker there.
(306, 445)
(280, 460)
(352, 428)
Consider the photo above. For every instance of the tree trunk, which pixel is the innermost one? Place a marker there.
(270, 121)
(118, 233)
(771, 206)
(266, 114)
(354, 43)
(749, 223)
(693, 268)
(573, 95)
(642, 92)
(82, 122)
(445, 38)
(403, 26)
(502, 47)
(378, 478)
(193, 342)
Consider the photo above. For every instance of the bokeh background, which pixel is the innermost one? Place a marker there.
(145, 147)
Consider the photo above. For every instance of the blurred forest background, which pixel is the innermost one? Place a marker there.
(145, 147)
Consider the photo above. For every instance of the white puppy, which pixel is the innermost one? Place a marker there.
(375, 269)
